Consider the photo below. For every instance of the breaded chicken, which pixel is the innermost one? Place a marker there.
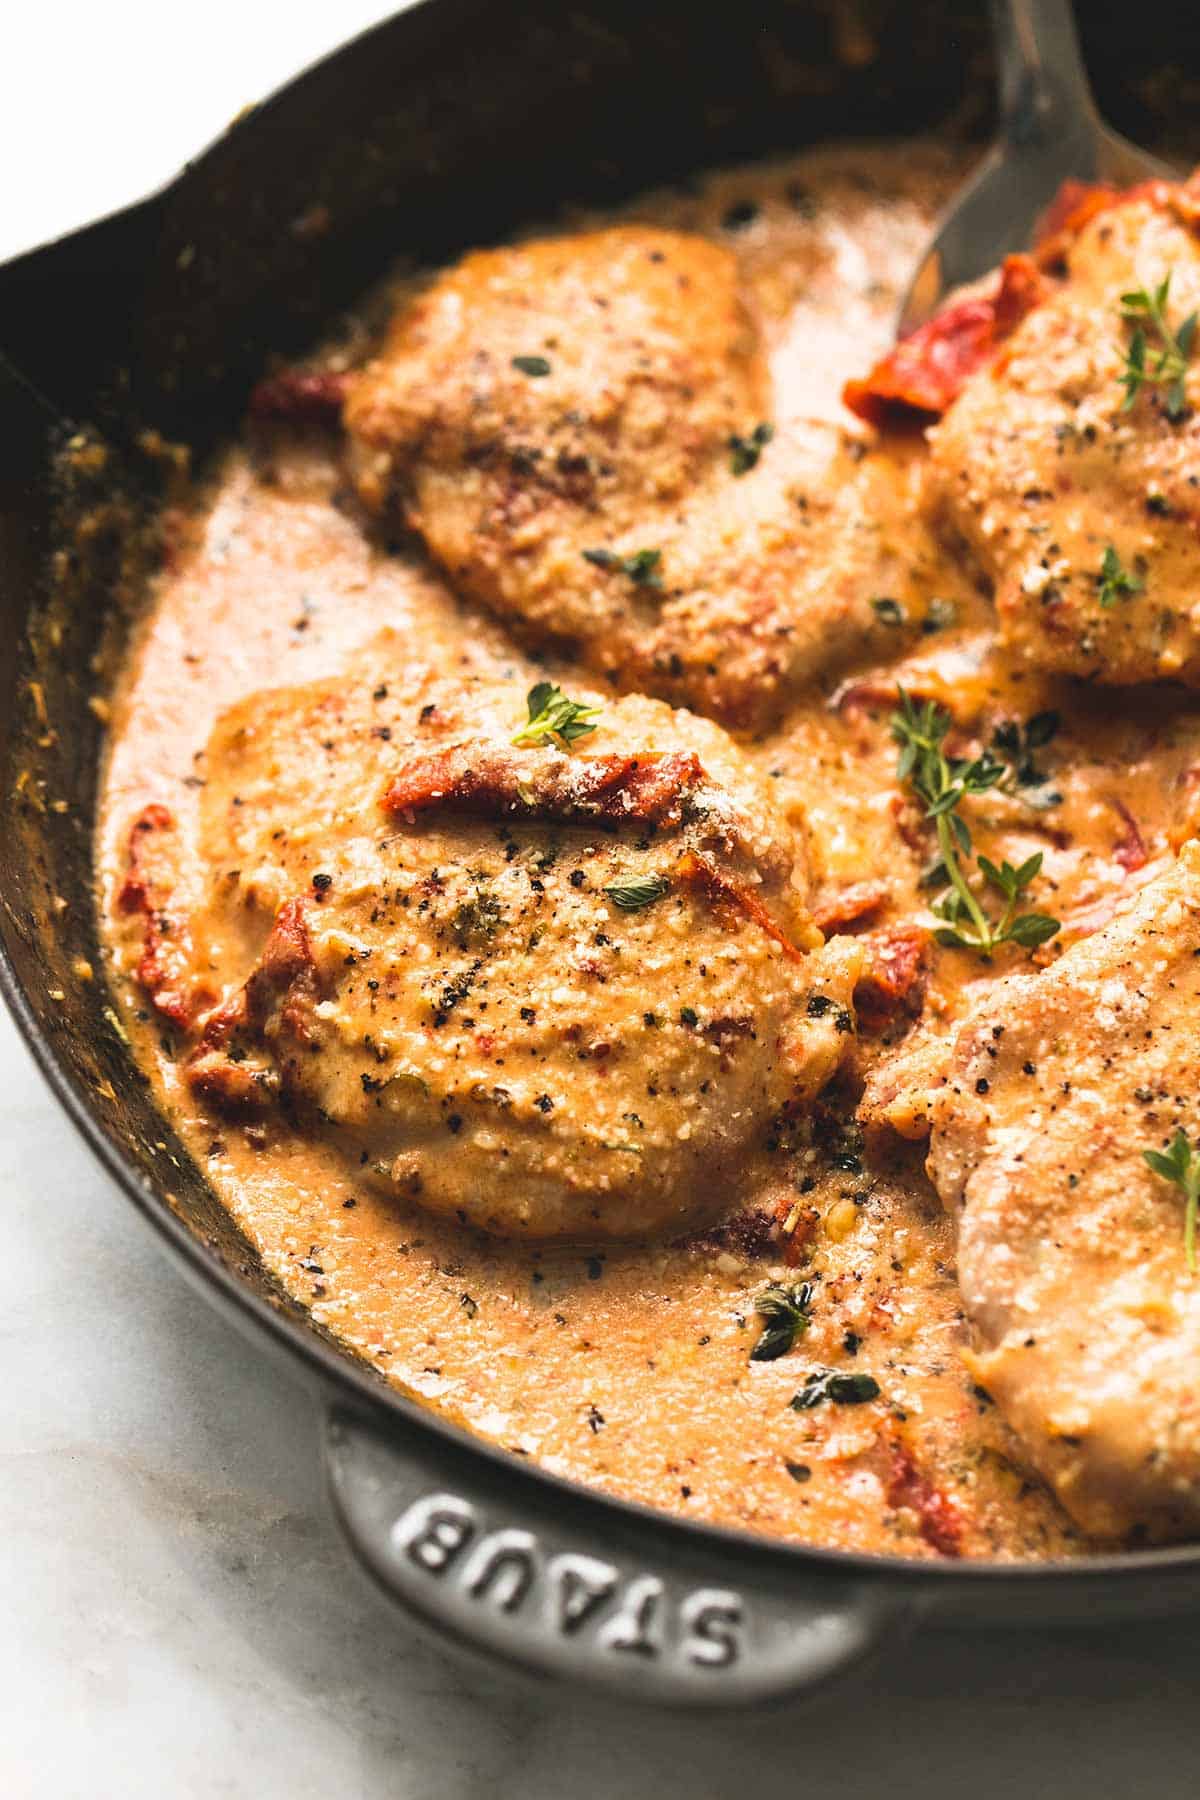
(1082, 511)
(1071, 1250)
(554, 992)
(580, 430)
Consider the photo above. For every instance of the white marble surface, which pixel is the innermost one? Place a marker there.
(177, 1615)
(100, 105)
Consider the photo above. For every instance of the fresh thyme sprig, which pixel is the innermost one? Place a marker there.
(1164, 364)
(553, 718)
(940, 782)
(1180, 1163)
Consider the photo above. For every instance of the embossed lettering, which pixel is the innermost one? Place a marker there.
(712, 1627)
(579, 1586)
(434, 1530)
(504, 1565)
(635, 1626)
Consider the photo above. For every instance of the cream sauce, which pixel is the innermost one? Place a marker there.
(629, 1369)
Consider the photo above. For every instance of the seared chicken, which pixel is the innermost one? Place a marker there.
(554, 993)
(1080, 509)
(1071, 1254)
(580, 430)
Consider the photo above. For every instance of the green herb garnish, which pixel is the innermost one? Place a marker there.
(1115, 582)
(842, 1390)
(940, 782)
(531, 365)
(639, 891)
(555, 719)
(887, 610)
(1164, 365)
(784, 1312)
(744, 452)
(642, 567)
(1018, 745)
(477, 919)
(1180, 1163)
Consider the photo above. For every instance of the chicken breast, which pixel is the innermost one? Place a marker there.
(555, 992)
(580, 430)
(1081, 511)
(1071, 1251)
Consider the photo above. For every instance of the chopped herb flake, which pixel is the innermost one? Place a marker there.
(887, 610)
(642, 566)
(1017, 745)
(840, 1389)
(744, 452)
(784, 1312)
(1114, 582)
(637, 892)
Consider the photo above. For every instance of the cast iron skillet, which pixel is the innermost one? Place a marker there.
(447, 127)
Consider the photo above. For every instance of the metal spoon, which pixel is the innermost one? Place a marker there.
(1049, 130)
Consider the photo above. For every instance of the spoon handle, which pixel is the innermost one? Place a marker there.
(1044, 89)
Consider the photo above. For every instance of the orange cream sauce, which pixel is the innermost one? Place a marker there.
(629, 1369)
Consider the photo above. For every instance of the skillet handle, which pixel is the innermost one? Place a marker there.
(560, 1584)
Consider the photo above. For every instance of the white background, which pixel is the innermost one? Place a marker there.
(177, 1615)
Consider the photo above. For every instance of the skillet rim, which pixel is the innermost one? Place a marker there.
(342, 1375)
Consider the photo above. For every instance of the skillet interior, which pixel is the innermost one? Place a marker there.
(167, 313)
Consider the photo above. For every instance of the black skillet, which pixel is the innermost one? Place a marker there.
(449, 126)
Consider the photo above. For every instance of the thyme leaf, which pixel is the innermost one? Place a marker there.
(829, 1384)
(1017, 745)
(1115, 582)
(1180, 1163)
(531, 365)
(744, 452)
(784, 1312)
(642, 566)
(637, 892)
